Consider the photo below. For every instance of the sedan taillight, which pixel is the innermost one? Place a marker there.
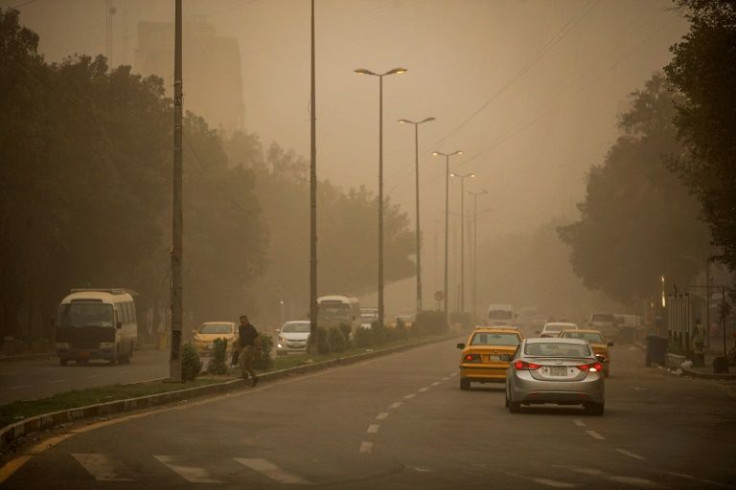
(594, 367)
(471, 358)
(522, 365)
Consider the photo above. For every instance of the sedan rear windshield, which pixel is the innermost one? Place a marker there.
(556, 349)
(506, 339)
(216, 328)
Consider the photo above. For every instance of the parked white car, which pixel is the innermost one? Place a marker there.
(293, 336)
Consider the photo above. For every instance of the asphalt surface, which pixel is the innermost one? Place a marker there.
(401, 422)
(44, 377)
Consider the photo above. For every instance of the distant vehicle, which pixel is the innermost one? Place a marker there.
(500, 315)
(205, 335)
(605, 323)
(597, 342)
(406, 318)
(553, 329)
(486, 355)
(96, 324)
(293, 336)
(368, 316)
(559, 371)
(336, 310)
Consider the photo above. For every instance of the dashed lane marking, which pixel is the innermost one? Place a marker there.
(192, 474)
(581, 470)
(436, 383)
(103, 468)
(446, 378)
(270, 470)
(635, 482)
(366, 447)
(382, 416)
(595, 435)
(578, 422)
(373, 429)
(395, 405)
(422, 390)
(553, 483)
(630, 454)
(19, 387)
(409, 397)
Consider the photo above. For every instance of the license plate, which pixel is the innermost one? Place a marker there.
(494, 358)
(558, 371)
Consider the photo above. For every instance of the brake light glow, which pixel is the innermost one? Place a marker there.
(521, 365)
(594, 367)
(471, 358)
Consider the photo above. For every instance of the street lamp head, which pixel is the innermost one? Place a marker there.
(396, 71)
(426, 119)
(439, 153)
(363, 71)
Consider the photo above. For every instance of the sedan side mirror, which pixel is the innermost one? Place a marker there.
(461, 346)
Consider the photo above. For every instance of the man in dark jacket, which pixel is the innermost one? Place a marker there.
(247, 335)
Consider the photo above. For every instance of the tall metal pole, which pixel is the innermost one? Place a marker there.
(462, 245)
(447, 234)
(313, 205)
(706, 334)
(175, 372)
(475, 249)
(380, 202)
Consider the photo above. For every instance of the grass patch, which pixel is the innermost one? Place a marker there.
(19, 410)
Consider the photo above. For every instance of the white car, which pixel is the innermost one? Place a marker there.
(553, 329)
(293, 336)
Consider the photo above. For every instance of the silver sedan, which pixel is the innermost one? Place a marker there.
(561, 371)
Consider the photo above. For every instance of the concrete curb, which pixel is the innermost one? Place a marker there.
(720, 376)
(10, 434)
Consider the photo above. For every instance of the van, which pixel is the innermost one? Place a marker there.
(96, 324)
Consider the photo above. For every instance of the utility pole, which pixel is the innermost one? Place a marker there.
(175, 374)
(313, 207)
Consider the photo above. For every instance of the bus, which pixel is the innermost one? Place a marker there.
(96, 324)
(336, 310)
(500, 315)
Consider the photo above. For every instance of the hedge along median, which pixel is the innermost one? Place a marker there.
(75, 406)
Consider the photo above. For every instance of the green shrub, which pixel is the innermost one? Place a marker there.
(400, 332)
(323, 345)
(219, 354)
(262, 355)
(363, 337)
(347, 331)
(191, 364)
(336, 340)
(429, 323)
(380, 333)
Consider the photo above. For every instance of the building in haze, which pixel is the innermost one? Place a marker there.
(213, 85)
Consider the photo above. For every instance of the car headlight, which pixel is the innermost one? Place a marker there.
(107, 345)
(62, 345)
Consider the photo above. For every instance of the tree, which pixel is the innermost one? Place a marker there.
(704, 70)
(638, 221)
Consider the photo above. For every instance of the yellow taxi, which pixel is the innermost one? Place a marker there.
(207, 332)
(597, 342)
(486, 355)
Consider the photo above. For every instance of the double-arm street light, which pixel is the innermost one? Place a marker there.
(416, 165)
(447, 221)
(475, 247)
(462, 178)
(380, 76)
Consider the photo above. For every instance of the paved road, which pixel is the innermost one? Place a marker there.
(401, 422)
(28, 380)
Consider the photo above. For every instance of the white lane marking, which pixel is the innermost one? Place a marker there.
(58, 381)
(631, 347)
(192, 474)
(94, 376)
(635, 482)
(103, 468)
(553, 483)
(578, 422)
(436, 383)
(373, 428)
(19, 387)
(420, 470)
(595, 435)
(395, 405)
(630, 454)
(382, 416)
(581, 470)
(409, 397)
(270, 470)
(366, 447)
(453, 374)
(422, 390)
(445, 378)
(681, 475)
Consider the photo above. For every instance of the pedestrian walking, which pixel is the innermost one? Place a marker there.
(247, 335)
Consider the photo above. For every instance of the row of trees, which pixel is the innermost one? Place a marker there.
(663, 201)
(85, 200)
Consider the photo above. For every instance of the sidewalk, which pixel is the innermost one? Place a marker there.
(707, 370)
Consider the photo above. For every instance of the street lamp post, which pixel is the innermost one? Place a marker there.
(475, 247)
(447, 221)
(462, 178)
(380, 76)
(416, 166)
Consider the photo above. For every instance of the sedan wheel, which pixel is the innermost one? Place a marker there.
(513, 407)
